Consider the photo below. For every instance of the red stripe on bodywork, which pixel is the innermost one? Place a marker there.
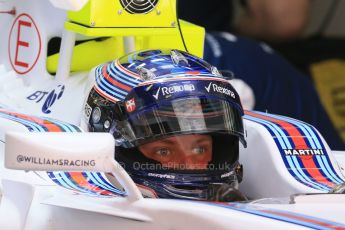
(81, 181)
(299, 142)
(301, 218)
(283, 214)
(47, 124)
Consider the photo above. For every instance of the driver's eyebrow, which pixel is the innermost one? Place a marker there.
(166, 141)
(203, 139)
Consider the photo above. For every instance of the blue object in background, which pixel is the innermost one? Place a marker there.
(279, 88)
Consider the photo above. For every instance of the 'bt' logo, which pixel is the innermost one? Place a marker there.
(48, 97)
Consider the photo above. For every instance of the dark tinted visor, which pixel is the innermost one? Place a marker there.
(190, 115)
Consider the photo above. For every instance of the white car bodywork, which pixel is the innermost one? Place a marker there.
(284, 157)
(30, 199)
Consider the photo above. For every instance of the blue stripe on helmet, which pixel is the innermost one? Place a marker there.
(123, 77)
(102, 81)
(105, 88)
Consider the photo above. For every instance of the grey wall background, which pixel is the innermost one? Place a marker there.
(319, 11)
(332, 11)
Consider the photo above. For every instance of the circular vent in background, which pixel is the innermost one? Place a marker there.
(138, 6)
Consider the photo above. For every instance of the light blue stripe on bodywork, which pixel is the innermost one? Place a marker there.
(65, 126)
(65, 177)
(34, 126)
(294, 166)
(261, 212)
(57, 177)
(62, 178)
(100, 181)
(322, 161)
(306, 179)
(279, 134)
(314, 141)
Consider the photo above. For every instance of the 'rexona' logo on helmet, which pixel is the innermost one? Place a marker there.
(167, 91)
(130, 105)
(220, 89)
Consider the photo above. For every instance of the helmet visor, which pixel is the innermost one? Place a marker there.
(191, 115)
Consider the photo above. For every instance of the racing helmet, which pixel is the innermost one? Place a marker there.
(154, 96)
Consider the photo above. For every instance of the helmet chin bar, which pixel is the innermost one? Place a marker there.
(220, 192)
(197, 184)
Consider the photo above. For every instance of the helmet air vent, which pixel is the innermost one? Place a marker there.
(138, 6)
(145, 74)
(178, 58)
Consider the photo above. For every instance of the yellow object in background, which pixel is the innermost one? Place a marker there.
(329, 78)
(126, 13)
(88, 54)
(92, 53)
(151, 24)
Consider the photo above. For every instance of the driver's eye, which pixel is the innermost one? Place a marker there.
(163, 152)
(199, 150)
